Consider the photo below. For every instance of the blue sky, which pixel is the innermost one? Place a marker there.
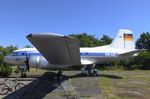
(96, 17)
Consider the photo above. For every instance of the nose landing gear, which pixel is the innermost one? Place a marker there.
(23, 74)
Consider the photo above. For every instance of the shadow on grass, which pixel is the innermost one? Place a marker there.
(100, 75)
(45, 84)
(111, 76)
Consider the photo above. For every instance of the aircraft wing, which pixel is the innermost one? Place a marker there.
(57, 49)
(131, 53)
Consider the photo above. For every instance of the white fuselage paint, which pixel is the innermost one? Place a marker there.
(94, 55)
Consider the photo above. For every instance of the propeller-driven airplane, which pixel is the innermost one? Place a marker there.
(59, 51)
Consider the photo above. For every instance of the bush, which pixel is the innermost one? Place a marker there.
(143, 59)
(5, 71)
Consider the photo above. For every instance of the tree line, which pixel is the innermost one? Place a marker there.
(87, 40)
(142, 61)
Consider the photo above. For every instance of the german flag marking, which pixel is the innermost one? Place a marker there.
(128, 37)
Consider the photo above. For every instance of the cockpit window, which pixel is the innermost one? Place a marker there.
(18, 54)
(15, 54)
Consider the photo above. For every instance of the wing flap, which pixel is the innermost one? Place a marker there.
(57, 49)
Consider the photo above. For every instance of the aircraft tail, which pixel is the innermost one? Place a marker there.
(123, 40)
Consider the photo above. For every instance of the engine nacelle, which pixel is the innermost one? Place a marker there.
(38, 61)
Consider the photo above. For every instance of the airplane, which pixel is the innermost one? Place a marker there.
(58, 51)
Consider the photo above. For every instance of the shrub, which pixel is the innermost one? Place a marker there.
(143, 59)
(5, 71)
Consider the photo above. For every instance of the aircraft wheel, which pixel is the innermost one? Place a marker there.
(24, 75)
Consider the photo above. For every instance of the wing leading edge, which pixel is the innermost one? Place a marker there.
(57, 49)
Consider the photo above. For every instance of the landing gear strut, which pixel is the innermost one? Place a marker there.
(94, 71)
(89, 70)
(59, 76)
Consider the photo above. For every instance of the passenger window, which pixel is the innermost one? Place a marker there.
(22, 54)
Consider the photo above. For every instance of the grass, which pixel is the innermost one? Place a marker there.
(133, 85)
(115, 84)
(108, 90)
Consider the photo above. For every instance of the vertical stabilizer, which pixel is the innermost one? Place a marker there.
(123, 40)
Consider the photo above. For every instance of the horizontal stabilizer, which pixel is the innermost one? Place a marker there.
(131, 53)
(57, 49)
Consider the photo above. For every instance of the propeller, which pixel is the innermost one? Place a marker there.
(27, 62)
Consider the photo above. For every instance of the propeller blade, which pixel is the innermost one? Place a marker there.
(27, 63)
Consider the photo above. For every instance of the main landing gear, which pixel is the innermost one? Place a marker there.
(89, 70)
(23, 73)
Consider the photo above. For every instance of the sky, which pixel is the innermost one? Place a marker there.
(19, 18)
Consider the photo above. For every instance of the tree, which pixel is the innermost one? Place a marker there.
(86, 40)
(105, 40)
(5, 69)
(5, 51)
(143, 59)
(27, 46)
(9, 49)
(1, 55)
(144, 41)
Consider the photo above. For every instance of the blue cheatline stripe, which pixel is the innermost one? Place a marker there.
(99, 54)
(34, 54)
(92, 54)
(23, 53)
(83, 54)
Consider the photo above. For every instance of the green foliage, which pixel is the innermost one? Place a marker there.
(143, 59)
(27, 46)
(116, 65)
(5, 51)
(105, 40)
(87, 40)
(17, 70)
(144, 41)
(10, 49)
(5, 69)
